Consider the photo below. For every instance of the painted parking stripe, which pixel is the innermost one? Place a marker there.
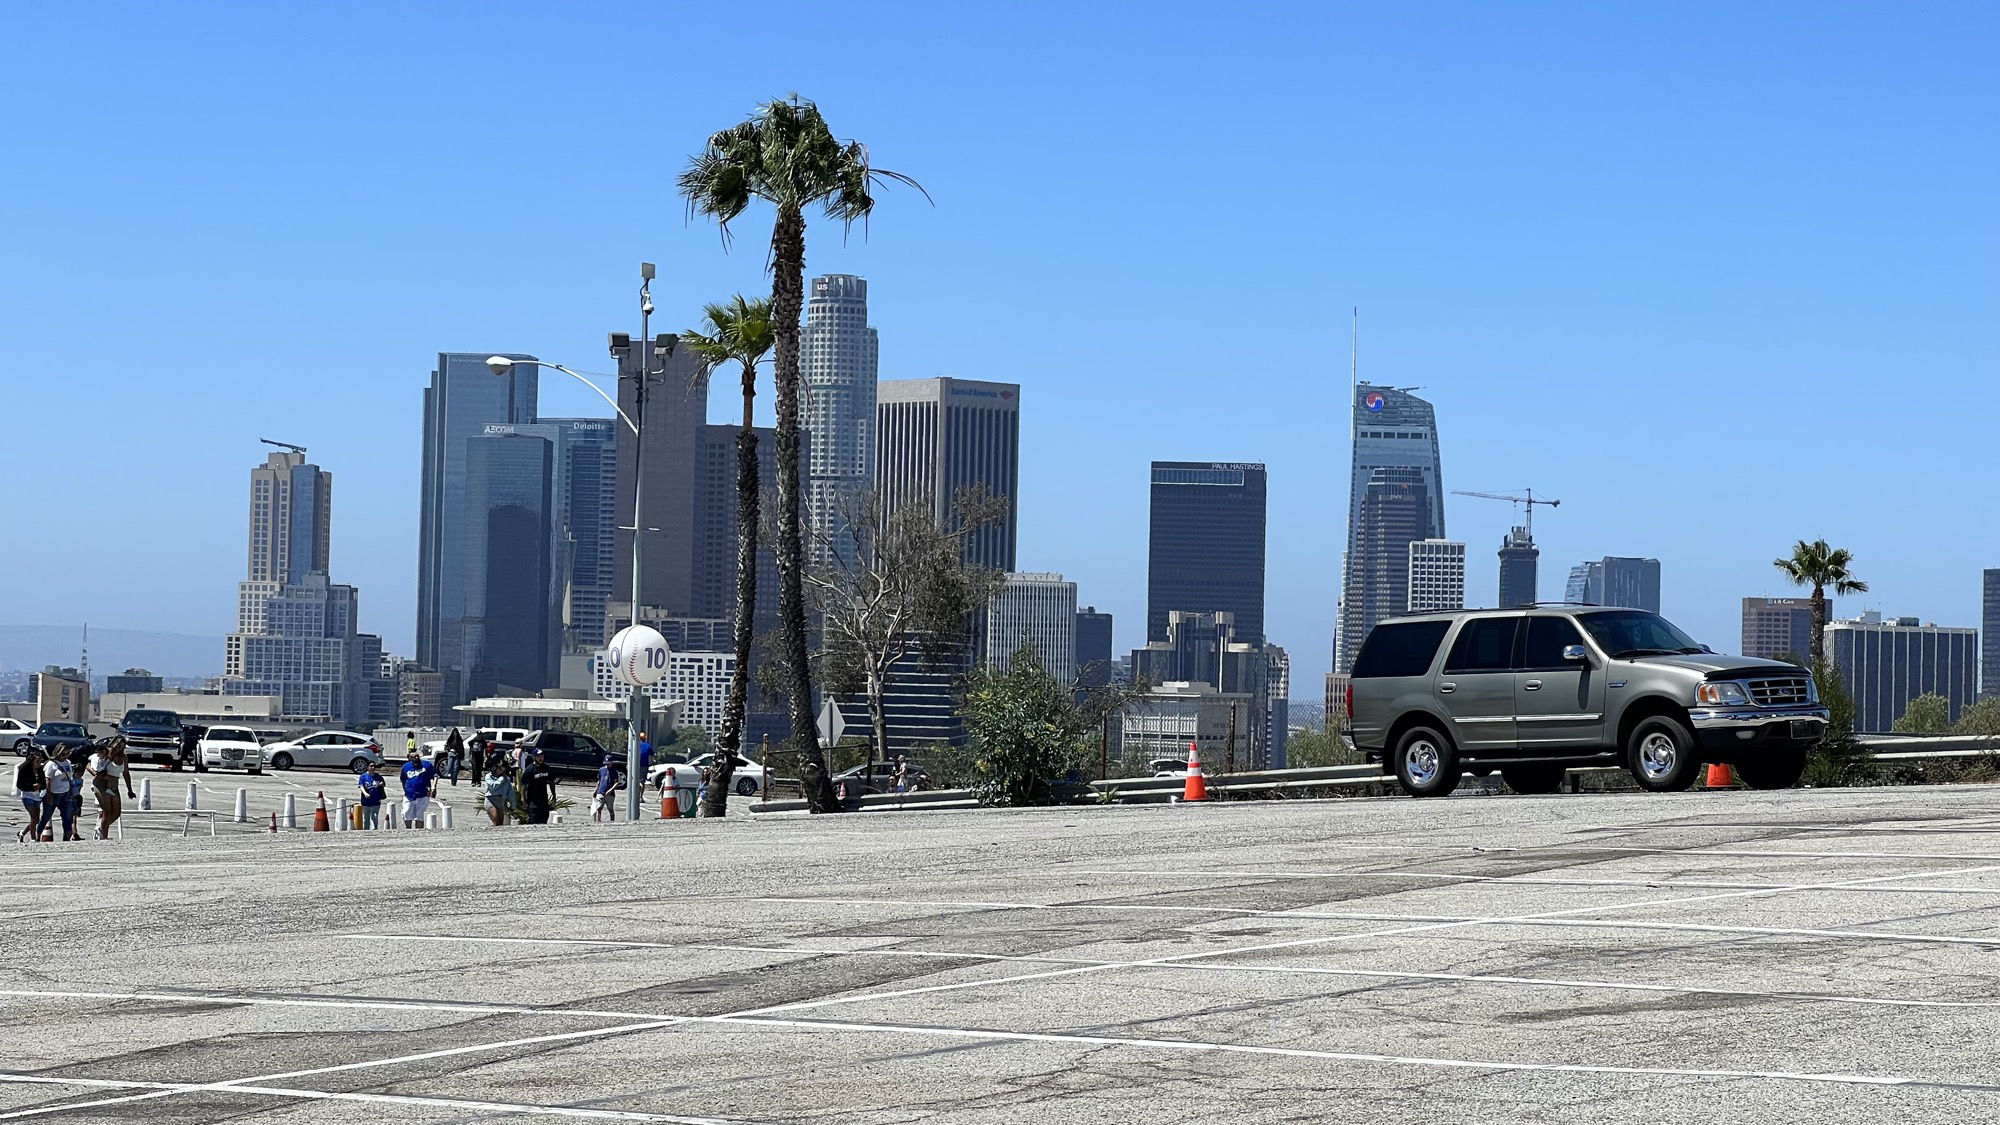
(1523, 880)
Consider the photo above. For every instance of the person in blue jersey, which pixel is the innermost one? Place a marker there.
(604, 799)
(372, 789)
(419, 785)
(645, 754)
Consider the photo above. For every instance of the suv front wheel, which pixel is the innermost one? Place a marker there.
(1425, 763)
(1660, 754)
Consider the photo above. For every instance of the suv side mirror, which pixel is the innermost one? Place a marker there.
(1576, 654)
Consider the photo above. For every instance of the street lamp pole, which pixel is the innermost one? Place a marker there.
(635, 713)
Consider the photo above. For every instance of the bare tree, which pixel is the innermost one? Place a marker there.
(900, 585)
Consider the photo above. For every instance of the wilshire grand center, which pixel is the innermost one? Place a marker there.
(1396, 497)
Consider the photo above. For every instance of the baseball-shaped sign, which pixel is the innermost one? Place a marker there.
(638, 655)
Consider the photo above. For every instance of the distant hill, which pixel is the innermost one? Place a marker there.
(30, 648)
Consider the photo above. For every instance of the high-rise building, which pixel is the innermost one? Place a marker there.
(1039, 610)
(1095, 665)
(1631, 583)
(1989, 620)
(291, 521)
(935, 437)
(1395, 497)
(1437, 575)
(1518, 559)
(587, 536)
(1160, 724)
(676, 410)
(464, 397)
(1777, 628)
(837, 358)
(1886, 663)
(697, 681)
(715, 515)
(1586, 584)
(1205, 544)
(509, 635)
(1203, 649)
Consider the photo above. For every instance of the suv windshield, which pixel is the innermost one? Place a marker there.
(67, 730)
(229, 734)
(1634, 632)
(154, 718)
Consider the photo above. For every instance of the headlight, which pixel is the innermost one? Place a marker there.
(1721, 693)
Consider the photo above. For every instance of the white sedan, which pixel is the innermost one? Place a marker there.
(15, 733)
(231, 748)
(748, 775)
(337, 749)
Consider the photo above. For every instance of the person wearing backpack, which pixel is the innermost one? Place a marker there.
(32, 786)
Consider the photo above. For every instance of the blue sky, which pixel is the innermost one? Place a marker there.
(1718, 276)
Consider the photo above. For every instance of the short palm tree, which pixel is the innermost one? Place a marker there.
(1823, 568)
(739, 332)
(787, 156)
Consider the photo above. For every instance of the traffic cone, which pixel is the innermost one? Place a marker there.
(274, 823)
(1197, 787)
(670, 797)
(320, 823)
(1718, 776)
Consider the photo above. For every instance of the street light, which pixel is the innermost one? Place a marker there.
(621, 346)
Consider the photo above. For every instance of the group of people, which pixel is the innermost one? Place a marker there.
(499, 773)
(51, 788)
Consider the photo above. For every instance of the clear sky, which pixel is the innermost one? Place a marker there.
(1718, 276)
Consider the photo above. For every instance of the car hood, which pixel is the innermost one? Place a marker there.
(1709, 663)
(228, 743)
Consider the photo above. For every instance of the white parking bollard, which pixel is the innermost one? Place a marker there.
(444, 816)
(242, 813)
(340, 816)
(395, 809)
(194, 798)
(291, 817)
(146, 795)
(556, 819)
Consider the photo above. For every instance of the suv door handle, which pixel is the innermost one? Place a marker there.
(1533, 685)
(1446, 689)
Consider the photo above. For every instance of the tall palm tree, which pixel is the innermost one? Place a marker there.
(1822, 567)
(738, 332)
(786, 156)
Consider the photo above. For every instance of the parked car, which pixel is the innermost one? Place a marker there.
(570, 754)
(881, 778)
(15, 733)
(152, 735)
(502, 736)
(1532, 692)
(337, 749)
(745, 781)
(48, 736)
(231, 748)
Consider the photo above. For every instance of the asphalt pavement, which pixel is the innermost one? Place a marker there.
(1809, 956)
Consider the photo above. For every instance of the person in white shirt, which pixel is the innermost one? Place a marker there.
(107, 769)
(62, 784)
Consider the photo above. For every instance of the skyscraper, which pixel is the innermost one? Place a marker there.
(1205, 544)
(587, 537)
(291, 522)
(1586, 584)
(837, 358)
(1395, 497)
(1518, 555)
(1989, 620)
(509, 636)
(1777, 628)
(1437, 575)
(1886, 663)
(1038, 610)
(715, 513)
(1094, 663)
(937, 436)
(1631, 583)
(676, 409)
(464, 397)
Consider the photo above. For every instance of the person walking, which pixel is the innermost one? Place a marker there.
(419, 786)
(538, 789)
(499, 790)
(107, 770)
(604, 800)
(477, 752)
(645, 757)
(372, 788)
(520, 756)
(32, 786)
(62, 786)
(454, 755)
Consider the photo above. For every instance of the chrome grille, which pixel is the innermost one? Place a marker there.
(1779, 692)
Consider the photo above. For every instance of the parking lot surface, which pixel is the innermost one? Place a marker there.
(1810, 956)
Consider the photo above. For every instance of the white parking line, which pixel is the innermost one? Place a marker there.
(1523, 880)
(163, 1089)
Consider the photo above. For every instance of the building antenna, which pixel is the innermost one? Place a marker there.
(1354, 376)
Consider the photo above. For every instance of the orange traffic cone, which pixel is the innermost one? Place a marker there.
(274, 822)
(320, 821)
(1197, 788)
(1718, 776)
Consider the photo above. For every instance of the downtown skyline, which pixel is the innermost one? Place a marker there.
(1544, 373)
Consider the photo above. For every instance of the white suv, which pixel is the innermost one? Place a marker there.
(231, 748)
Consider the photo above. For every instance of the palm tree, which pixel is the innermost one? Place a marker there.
(1822, 567)
(739, 331)
(787, 156)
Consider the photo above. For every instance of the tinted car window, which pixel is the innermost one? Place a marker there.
(1547, 637)
(1485, 644)
(1400, 649)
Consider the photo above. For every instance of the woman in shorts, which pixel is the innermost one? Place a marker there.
(107, 771)
(32, 786)
(499, 791)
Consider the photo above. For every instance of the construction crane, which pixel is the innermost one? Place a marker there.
(1528, 500)
(298, 449)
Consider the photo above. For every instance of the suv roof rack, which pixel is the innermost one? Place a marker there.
(1538, 605)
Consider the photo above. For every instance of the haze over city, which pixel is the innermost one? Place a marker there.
(1715, 298)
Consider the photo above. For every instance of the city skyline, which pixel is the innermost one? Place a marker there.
(1495, 262)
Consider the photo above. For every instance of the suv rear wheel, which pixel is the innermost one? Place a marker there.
(1425, 763)
(1660, 754)
(1779, 771)
(1533, 779)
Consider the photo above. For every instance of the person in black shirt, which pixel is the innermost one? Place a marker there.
(538, 789)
